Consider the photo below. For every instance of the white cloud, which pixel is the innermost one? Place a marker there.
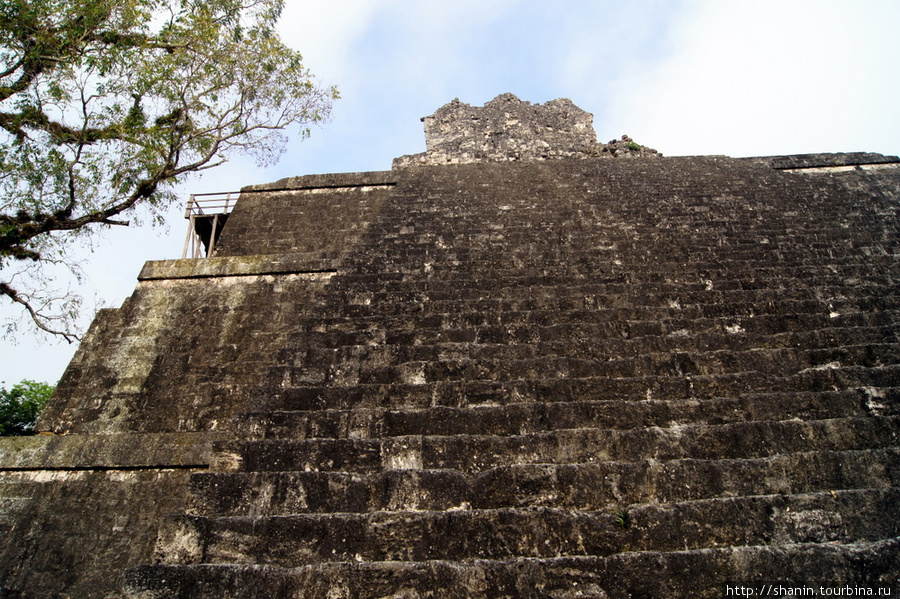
(324, 32)
(769, 77)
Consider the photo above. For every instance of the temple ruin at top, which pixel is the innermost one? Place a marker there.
(523, 364)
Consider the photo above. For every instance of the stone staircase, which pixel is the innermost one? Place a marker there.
(585, 378)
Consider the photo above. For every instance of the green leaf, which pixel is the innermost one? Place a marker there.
(21, 405)
(108, 103)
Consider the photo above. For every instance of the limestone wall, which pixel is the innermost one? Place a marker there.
(509, 378)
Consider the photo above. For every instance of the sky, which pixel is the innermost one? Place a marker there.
(686, 77)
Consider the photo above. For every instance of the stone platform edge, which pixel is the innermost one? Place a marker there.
(121, 451)
(331, 180)
(824, 160)
(237, 266)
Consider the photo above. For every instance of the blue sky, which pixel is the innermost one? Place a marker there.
(739, 78)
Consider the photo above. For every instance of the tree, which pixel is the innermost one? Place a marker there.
(21, 406)
(105, 105)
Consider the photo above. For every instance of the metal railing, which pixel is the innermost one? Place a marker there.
(206, 212)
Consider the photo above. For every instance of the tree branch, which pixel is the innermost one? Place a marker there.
(134, 40)
(201, 84)
(17, 123)
(13, 295)
(15, 67)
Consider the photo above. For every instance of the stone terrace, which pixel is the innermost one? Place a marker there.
(573, 378)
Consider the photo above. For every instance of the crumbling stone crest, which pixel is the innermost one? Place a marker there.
(509, 129)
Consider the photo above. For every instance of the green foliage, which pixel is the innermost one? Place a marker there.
(634, 147)
(21, 405)
(106, 104)
(622, 518)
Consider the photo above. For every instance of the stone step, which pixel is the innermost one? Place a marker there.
(528, 340)
(768, 237)
(617, 271)
(493, 363)
(615, 282)
(486, 324)
(822, 237)
(631, 337)
(417, 393)
(594, 304)
(705, 294)
(421, 221)
(602, 252)
(498, 361)
(653, 262)
(529, 417)
(622, 576)
(595, 486)
(624, 340)
(507, 533)
(620, 338)
(474, 453)
(607, 259)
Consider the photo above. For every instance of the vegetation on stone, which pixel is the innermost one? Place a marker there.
(106, 104)
(20, 406)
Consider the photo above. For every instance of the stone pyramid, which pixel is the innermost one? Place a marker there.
(520, 365)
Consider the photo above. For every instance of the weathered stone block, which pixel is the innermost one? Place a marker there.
(533, 372)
